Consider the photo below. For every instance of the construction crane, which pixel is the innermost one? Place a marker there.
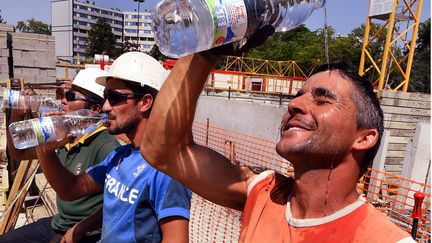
(391, 24)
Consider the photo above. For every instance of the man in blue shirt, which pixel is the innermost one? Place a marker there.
(141, 204)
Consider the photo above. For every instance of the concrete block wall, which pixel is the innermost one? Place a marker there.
(402, 112)
(33, 57)
(4, 51)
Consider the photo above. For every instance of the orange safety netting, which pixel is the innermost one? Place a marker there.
(212, 223)
(394, 196)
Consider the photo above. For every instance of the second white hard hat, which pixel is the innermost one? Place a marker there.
(137, 67)
(86, 79)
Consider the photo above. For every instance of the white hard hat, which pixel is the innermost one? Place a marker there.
(137, 67)
(86, 79)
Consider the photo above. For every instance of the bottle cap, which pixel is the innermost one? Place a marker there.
(104, 118)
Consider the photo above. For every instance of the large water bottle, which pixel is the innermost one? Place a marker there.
(29, 133)
(183, 27)
(14, 99)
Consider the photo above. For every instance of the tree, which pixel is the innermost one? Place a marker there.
(33, 26)
(124, 47)
(2, 20)
(298, 44)
(101, 39)
(156, 54)
(420, 72)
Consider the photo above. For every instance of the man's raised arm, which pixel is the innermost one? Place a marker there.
(168, 144)
(67, 185)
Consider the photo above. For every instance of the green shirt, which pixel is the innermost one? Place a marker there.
(88, 151)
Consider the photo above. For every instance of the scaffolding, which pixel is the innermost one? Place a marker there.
(253, 66)
(390, 24)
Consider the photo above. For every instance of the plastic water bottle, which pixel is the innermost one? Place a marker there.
(183, 27)
(33, 132)
(17, 100)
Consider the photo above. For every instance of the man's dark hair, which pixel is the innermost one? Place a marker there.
(368, 110)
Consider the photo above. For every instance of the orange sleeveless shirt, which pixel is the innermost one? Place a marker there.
(264, 219)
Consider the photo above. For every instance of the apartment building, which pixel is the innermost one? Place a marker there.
(72, 19)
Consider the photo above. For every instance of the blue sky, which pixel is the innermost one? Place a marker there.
(343, 15)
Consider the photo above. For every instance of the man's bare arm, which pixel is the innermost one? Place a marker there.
(175, 229)
(168, 144)
(91, 223)
(67, 185)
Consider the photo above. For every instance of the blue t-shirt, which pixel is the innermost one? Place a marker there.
(136, 197)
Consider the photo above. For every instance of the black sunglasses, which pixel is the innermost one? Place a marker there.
(115, 97)
(71, 96)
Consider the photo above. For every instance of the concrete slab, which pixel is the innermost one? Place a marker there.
(44, 79)
(4, 69)
(3, 41)
(4, 61)
(4, 52)
(17, 53)
(51, 72)
(44, 63)
(6, 28)
(4, 76)
(23, 62)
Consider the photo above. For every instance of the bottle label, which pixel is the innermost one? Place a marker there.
(10, 98)
(44, 129)
(230, 20)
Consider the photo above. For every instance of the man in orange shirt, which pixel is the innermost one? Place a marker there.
(330, 133)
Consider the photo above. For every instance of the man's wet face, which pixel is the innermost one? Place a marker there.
(321, 121)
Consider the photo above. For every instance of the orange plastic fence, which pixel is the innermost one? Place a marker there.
(241, 149)
(393, 195)
(213, 223)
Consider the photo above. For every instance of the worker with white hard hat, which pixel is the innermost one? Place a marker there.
(141, 204)
(85, 83)
(75, 157)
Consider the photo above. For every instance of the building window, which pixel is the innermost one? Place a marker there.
(131, 31)
(83, 54)
(83, 7)
(147, 32)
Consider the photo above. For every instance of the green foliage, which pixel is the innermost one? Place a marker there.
(420, 79)
(101, 39)
(33, 26)
(305, 46)
(297, 44)
(124, 47)
(156, 54)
